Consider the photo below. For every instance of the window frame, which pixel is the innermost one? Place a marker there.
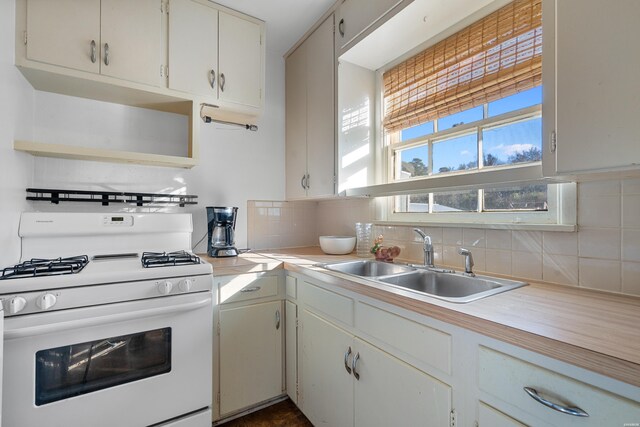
(561, 197)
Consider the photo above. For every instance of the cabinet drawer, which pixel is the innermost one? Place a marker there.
(333, 305)
(422, 342)
(505, 377)
(246, 287)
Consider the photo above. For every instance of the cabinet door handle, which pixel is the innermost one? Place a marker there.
(302, 181)
(277, 319)
(307, 182)
(106, 54)
(346, 360)
(93, 51)
(354, 365)
(575, 411)
(213, 79)
(251, 289)
(222, 81)
(341, 27)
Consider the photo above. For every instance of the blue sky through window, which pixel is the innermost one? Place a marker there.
(467, 116)
(451, 154)
(505, 141)
(501, 142)
(520, 100)
(416, 131)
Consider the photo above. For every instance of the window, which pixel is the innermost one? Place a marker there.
(463, 125)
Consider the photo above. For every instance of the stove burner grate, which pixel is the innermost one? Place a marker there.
(46, 267)
(163, 259)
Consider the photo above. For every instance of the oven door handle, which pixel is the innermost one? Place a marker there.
(101, 320)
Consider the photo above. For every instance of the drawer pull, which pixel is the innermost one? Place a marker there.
(251, 289)
(346, 360)
(576, 412)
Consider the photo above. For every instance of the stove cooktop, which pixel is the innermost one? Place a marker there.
(45, 267)
(164, 259)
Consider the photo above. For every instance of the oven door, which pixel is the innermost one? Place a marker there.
(127, 364)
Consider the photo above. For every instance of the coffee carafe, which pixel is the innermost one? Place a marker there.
(221, 227)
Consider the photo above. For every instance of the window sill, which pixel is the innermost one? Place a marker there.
(495, 226)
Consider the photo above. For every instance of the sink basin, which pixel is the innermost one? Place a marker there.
(369, 268)
(453, 287)
(443, 284)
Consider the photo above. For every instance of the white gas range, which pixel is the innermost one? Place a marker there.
(108, 322)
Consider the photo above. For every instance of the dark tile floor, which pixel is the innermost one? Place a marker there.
(282, 414)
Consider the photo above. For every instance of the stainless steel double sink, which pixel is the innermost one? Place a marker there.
(442, 284)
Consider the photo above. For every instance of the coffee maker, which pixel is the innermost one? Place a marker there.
(221, 227)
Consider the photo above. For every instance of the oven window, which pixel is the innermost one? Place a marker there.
(77, 369)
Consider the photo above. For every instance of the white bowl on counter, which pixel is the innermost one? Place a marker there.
(337, 245)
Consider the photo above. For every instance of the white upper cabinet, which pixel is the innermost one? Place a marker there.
(193, 48)
(354, 16)
(310, 116)
(217, 54)
(592, 101)
(65, 33)
(116, 38)
(241, 61)
(131, 40)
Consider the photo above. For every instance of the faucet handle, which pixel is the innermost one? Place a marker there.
(468, 261)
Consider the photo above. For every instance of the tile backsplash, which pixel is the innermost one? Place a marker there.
(603, 254)
(275, 224)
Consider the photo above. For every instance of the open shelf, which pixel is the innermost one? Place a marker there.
(102, 155)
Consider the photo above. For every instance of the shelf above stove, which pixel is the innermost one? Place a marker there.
(107, 197)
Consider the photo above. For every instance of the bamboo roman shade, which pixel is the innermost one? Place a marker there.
(496, 56)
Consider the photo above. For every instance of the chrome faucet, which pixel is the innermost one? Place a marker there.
(427, 247)
(468, 261)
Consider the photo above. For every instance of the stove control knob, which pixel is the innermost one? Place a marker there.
(46, 301)
(16, 305)
(165, 287)
(185, 285)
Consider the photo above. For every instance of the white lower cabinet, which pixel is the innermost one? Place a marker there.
(553, 399)
(346, 381)
(362, 362)
(291, 349)
(327, 384)
(249, 345)
(390, 392)
(250, 355)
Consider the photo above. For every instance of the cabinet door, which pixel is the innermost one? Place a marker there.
(193, 48)
(355, 16)
(321, 115)
(240, 67)
(250, 355)
(296, 122)
(597, 97)
(391, 392)
(291, 349)
(63, 32)
(131, 40)
(326, 387)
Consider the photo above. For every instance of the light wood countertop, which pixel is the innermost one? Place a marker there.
(594, 330)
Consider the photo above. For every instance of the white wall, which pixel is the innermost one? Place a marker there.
(356, 137)
(235, 165)
(16, 111)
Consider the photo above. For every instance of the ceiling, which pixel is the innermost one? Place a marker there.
(287, 20)
(419, 25)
